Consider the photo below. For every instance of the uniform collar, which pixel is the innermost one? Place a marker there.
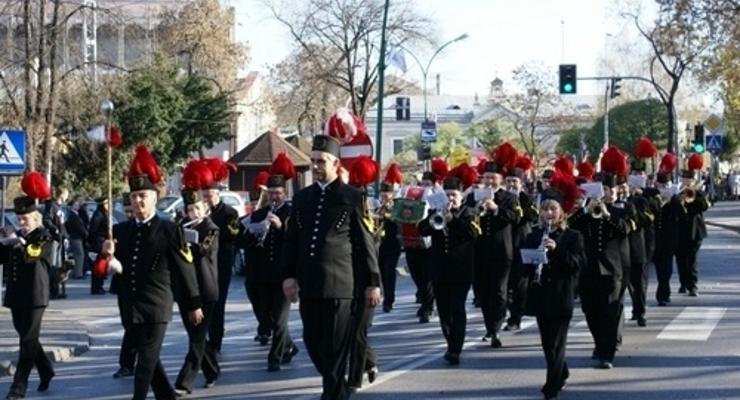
(146, 221)
(324, 186)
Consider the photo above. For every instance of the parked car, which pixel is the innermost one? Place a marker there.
(10, 218)
(169, 207)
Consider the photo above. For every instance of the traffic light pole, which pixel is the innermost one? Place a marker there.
(606, 118)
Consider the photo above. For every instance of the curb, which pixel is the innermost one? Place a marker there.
(724, 226)
(55, 354)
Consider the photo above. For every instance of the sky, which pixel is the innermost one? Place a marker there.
(502, 35)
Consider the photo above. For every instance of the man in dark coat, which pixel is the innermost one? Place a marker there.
(127, 354)
(96, 234)
(327, 244)
(691, 231)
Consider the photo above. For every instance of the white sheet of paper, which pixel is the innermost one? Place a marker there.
(636, 181)
(534, 256)
(438, 201)
(191, 235)
(593, 190)
(481, 194)
(257, 228)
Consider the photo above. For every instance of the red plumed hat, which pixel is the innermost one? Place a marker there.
(364, 171)
(505, 155)
(282, 166)
(196, 175)
(695, 162)
(467, 175)
(220, 169)
(614, 162)
(394, 175)
(524, 163)
(116, 139)
(668, 163)
(261, 180)
(144, 172)
(439, 169)
(344, 126)
(565, 165)
(566, 185)
(586, 170)
(645, 148)
(34, 185)
(481, 167)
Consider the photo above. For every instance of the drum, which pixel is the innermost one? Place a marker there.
(408, 211)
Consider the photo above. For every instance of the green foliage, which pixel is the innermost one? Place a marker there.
(490, 133)
(570, 140)
(450, 139)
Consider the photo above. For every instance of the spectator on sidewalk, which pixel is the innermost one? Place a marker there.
(77, 233)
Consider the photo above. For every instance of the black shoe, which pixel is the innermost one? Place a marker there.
(288, 356)
(353, 389)
(273, 367)
(387, 309)
(424, 318)
(14, 396)
(693, 293)
(123, 372)
(44, 384)
(264, 339)
(641, 322)
(634, 317)
(496, 341)
(486, 337)
(182, 392)
(512, 326)
(604, 364)
(209, 383)
(372, 374)
(662, 303)
(682, 290)
(451, 358)
(98, 291)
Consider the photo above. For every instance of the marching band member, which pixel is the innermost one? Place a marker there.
(127, 354)
(552, 284)
(453, 232)
(390, 243)
(666, 228)
(26, 256)
(691, 227)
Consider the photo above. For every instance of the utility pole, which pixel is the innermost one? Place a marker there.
(381, 78)
(606, 117)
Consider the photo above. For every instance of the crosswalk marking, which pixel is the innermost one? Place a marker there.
(693, 323)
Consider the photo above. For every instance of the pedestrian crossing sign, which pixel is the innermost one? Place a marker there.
(12, 152)
(714, 143)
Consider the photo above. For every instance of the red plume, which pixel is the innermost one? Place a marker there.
(393, 175)
(220, 168)
(695, 162)
(565, 165)
(668, 163)
(34, 185)
(645, 148)
(481, 167)
(614, 162)
(505, 155)
(282, 166)
(586, 170)
(345, 126)
(261, 180)
(440, 169)
(566, 184)
(144, 164)
(115, 137)
(524, 162)
(364, 171)
(196, 175)
(466, 174)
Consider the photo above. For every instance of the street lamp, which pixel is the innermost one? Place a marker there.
(425, 70)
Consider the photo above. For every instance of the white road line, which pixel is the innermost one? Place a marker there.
(693, 323)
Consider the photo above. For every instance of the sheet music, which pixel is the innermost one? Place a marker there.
(191, 235)
(438, 201)
(534, 256)
(481, 194)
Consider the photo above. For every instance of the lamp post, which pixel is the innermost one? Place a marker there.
(106, 108)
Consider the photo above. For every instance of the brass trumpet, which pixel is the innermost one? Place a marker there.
(688, 194)
(438, 220)
(598, 209)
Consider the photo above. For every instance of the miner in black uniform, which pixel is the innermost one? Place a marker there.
(127, 355)
(150, 253)
(263, 276)
(326, 242)
(691, 231)
(604, 230)
(518, 278)
(641, 216)
(390, 245)
(417, 260)
(205, 255)
(494, 250)
(453, 233)
(227, 220)
(26, 256)
(666, 234)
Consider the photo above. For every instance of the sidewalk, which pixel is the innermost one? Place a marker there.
(725, 215)
(61, 338)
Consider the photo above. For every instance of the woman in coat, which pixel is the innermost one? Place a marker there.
(552, 283)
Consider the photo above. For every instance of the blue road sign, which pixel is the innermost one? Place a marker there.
(714, 144)
(428, 131)
(12, 151)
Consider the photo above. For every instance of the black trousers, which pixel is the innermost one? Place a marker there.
(388, 261)
(602, 309)
(272, 310)
(686, 254)
(493, 286)
(638, 288)
(27, 322)
(362, 357)
(517, 291)
(554, 335)
(327, 327)
(226, 257)
(149, 369)
(199, 355)
(96, 283)
(663, 260)
(452, 316)
(127, 355)
(418, 263)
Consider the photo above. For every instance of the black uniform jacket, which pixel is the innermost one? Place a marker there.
(553, 297)
(529, 215)
(227, 220)
(98, 230)
(652, 196)
(27, 270)
(496, 241)
(151, 253)
(263, 257)
(666, 226)
(205, 260)
(390, 242)
(603, 238)
(325, 233)
(451, 258)
(640, 220)
(691, 226)
(75, 225)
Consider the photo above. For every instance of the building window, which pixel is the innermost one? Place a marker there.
(397, 146)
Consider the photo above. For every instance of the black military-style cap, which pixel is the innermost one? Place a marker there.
(494, 167)
(326, 144)
(276, 181)
(386, 187)
(190, 196)
(141, 182)
(24, 205)
(552, 194)
(608, 180)
(547, 174)
(688, 174)
(637, 165)
(452, 183)
(515, 173)
(662, 177)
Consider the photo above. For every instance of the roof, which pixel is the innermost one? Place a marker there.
(263, 150)
(300, 142)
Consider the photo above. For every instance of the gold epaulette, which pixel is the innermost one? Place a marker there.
(476, 227)
(650, 216)
(33, 250)
(519, 211)
(186, 254)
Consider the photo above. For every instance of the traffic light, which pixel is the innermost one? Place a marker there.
(615, 88)
(699, 138)
(567, 79)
